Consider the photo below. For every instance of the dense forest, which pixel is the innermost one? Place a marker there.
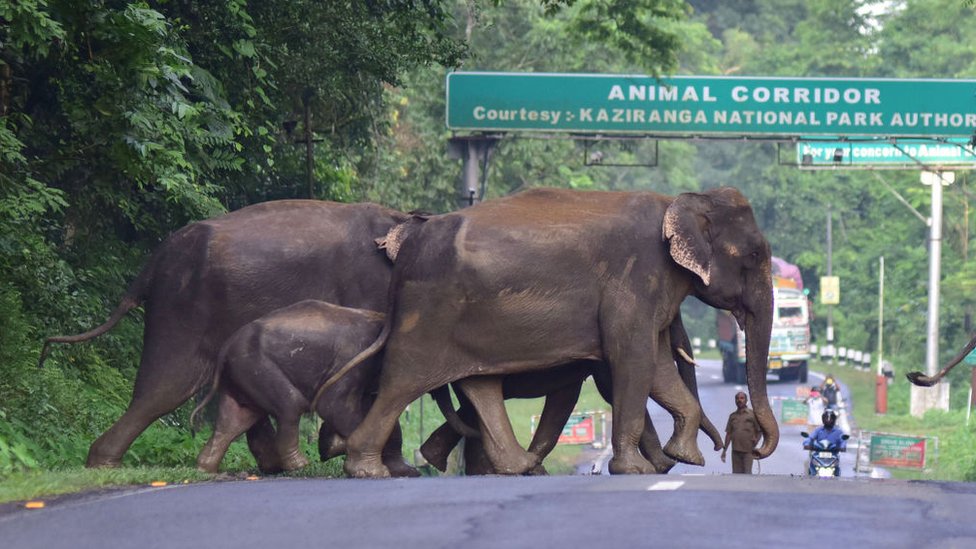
(121, 121)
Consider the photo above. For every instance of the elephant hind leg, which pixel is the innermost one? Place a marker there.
(261, 442)
(233, 419)
(498, 438)
(287, 444)
(393, 456)
(168, 376)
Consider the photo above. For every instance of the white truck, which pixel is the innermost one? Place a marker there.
(789, 345)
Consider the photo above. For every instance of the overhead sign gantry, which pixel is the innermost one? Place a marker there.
(710, 106)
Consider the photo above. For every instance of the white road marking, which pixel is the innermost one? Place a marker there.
(666, 485)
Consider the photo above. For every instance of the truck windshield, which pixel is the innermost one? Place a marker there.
(791, 315)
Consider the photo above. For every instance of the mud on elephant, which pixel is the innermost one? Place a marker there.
(209, 278)
(550, 276)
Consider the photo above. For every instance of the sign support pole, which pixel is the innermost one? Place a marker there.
(475, 152)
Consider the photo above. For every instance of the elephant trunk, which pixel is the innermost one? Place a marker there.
(922, 380)
(758, 327)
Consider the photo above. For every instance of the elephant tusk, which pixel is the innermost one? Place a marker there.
(687, 357)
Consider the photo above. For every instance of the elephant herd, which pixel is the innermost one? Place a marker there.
(356, 310)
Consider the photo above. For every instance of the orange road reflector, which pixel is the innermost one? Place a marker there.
(253, 477)
(157, 483)
(34, 505)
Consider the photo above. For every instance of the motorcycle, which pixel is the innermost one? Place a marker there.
(824, 457)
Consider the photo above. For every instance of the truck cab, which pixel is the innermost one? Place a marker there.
(789, 345)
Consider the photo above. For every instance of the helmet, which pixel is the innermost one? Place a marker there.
(829, 416)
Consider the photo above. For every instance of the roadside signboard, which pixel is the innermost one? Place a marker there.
(578, 430)
(829, 290)
(903, 153)
(793, 412)
(901, 451)
(710, 105)
(971, 358)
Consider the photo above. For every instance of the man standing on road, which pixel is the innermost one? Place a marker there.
(742, 431)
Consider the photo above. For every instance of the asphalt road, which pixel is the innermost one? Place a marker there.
(471, 512)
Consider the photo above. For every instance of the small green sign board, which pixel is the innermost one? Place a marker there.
(898, 451)
(904, 153)
(970, 358)
(710, 105)
(793, 412)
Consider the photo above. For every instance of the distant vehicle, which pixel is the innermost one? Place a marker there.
(789, 345)
(824, 458)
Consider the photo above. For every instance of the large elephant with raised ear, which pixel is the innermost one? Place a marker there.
(211, 277)
(549, 276)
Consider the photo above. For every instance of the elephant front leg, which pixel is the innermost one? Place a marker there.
(498, 438)
(668, 390)
(650, 442)
(559, 406)
(628, 428)
(650, 446)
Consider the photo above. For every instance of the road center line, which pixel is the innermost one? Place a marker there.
(666, 485)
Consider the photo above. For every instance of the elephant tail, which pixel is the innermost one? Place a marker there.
(136, 294)
(218, 369)
(363, 355)
(922, 380)
(442, 397)
(391, 243)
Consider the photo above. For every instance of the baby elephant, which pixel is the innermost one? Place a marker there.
(272, 366)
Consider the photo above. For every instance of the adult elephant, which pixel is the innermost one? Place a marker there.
(211, 277)
(550, 276)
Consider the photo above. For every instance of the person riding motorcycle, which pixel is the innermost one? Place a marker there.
(829, 391)
(835, 438)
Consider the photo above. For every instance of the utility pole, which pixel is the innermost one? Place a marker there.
(830, 272)
(923, 399)
(881, 382)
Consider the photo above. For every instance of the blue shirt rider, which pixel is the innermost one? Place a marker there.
(828, 432)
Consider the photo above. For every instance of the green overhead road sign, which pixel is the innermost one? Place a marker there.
(904, 153)
(710, 105)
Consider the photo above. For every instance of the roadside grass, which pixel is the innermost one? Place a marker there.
(955, 457)
(46, 484)
(39, 484)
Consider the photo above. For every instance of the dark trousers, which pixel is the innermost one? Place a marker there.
(742, 462)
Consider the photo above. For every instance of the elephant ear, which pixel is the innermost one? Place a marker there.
(398, 233)
(685, 228)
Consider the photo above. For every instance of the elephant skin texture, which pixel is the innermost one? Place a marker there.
(549, 276)
(211, 277)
